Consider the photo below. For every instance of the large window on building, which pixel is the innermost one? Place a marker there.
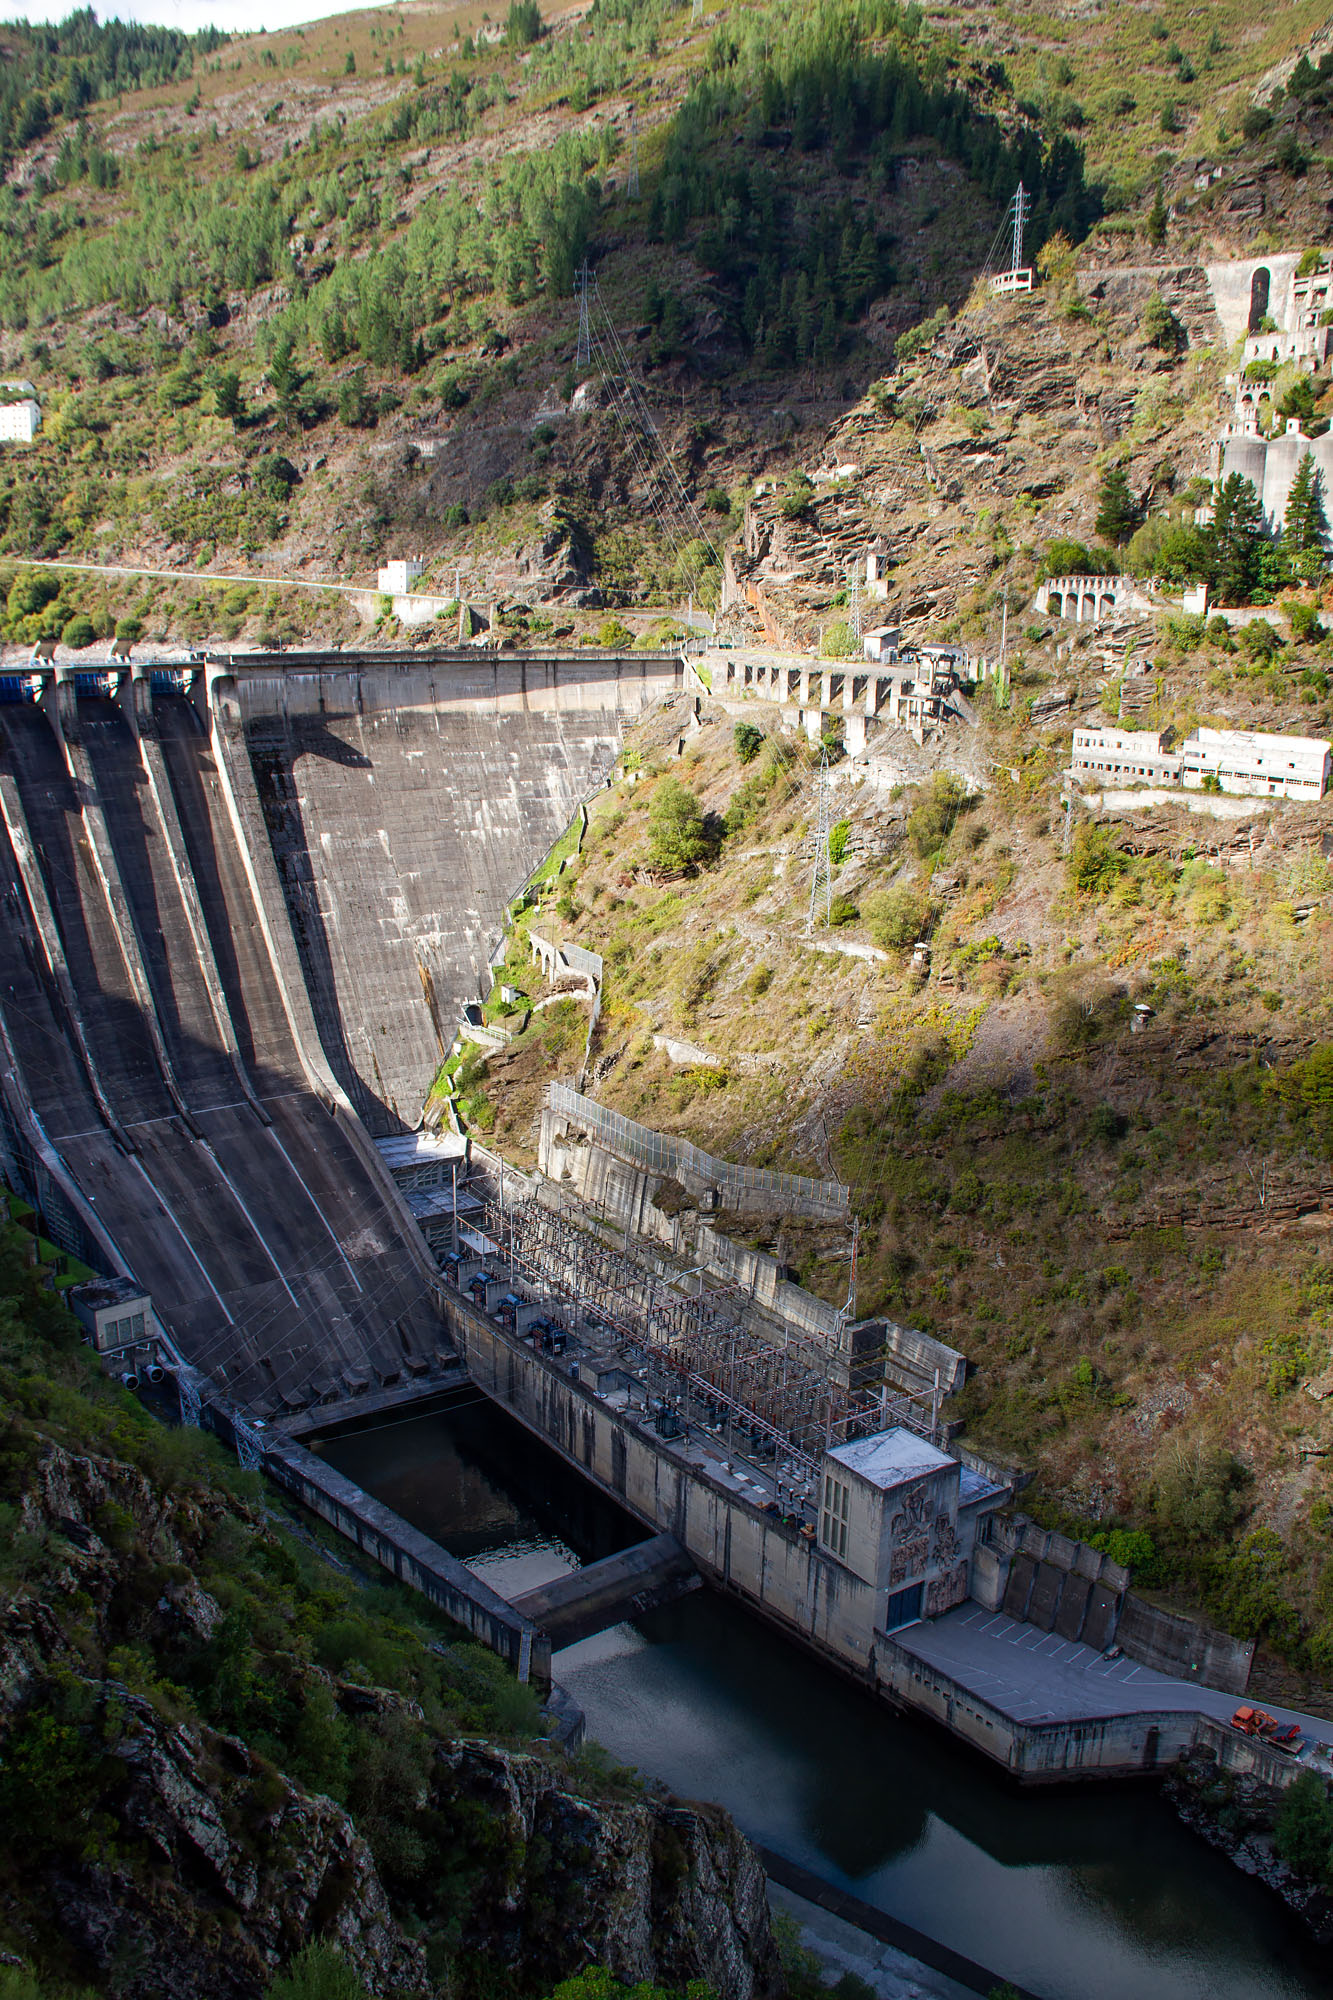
(833, 1524)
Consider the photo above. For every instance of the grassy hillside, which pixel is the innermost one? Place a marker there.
(1122, 1222)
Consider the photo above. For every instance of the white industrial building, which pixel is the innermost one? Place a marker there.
(397, 578)
(1245, 761)
(1126, 756)
(1257, 765)
(20, 422)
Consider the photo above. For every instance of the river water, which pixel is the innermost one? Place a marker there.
(1076, 1895)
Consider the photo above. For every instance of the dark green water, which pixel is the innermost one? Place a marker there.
(1075, 1895)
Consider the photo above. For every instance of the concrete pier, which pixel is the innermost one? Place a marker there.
(605, 1593)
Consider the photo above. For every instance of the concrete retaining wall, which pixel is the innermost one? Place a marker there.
(412, 1557)
(1045, 1753)
(1045, 1579)
(1184, 1647)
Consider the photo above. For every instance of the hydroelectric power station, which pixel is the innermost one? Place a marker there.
(246, 901)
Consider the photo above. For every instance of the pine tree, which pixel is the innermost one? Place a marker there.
(1305, 528)
(1117, 509)
(1157, 218)
(1235, 539)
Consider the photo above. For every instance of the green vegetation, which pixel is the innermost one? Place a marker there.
(194, 1604)
(677, 836)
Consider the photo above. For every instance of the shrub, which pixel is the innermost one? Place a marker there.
(1065, 557)
(1095, 862)
(1197, 1493)
(129, 629)
(843, 910)
(933, 817)
(318, 1971)
(839, 839)
(613, 633)
(1161, 329)
(748, 741)
(898, 917)
(79, 631)
(1305, 625)
(1303, 1829)
(837, 641)
(676, 835)
(1260, 641)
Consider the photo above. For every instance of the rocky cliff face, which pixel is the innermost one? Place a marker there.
(163, 1856)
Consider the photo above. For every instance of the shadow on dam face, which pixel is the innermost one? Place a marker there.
(205, 931)
(403, 817)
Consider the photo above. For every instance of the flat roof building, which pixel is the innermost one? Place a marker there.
(397, 578)
(1256, 764)
(20, 422)
(902, 1516)
(1125, 757)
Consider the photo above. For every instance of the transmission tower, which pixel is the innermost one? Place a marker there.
(823, 870)
(582, 280)
(854, 602)
(632, 182)
(1019, 210)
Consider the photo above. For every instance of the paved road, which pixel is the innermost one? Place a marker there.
(1034, 1676)
(196, 575)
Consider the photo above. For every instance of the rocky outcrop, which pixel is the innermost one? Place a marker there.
(170, 1860)
(655, 1891)
(221, 1869)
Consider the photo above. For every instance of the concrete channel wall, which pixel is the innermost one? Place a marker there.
(412, 1557)
(735, 1544)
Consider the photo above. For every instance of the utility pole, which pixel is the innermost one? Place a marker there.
(823, 871)
(583, 354)
(632, 183)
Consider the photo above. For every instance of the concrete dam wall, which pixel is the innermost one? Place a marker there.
(232, 920)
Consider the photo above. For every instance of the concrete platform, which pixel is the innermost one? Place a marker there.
(604, 1593)
(1035, 1676)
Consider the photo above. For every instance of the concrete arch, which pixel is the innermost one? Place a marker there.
(1055, 604)
(1260, 284)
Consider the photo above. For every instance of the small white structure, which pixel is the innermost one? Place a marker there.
(397, 578)
(1125, 756)
(882, 643)
(1257, 765)
(20, 422)
(117, 1316)
(878, 565)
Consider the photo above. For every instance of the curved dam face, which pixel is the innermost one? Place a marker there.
(241, 911)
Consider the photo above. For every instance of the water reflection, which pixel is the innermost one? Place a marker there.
(1076, 1895)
